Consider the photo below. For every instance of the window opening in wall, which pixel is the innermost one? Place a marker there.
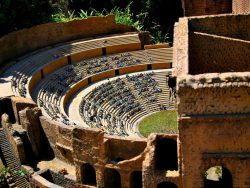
(112, 178)
(166, 185)
(136, 179)
(218, 177)
(166, 154)
(89, 174)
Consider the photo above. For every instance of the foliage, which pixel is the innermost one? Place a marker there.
(4, 172)
(160, 122)
(62, 17)
(126, 17)
(155, 16)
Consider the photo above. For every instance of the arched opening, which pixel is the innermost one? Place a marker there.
(136, 179)
(6, 107)
(119, 159)
(218, 177)
(88, 174)
(166, 154)
(166, 185)
(112, 178)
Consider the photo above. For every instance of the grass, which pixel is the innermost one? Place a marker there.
(160, 122)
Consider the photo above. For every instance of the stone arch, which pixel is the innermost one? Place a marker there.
(166, 154)
(136, 179)
(166, 185)
(88, 174)
(112, 178)
(218, 177)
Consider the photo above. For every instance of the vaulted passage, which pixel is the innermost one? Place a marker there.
(218, 177)
(166, 154)
(112, 178)
(89, 175)
(136, 179)
(166, 185)
(6, 107)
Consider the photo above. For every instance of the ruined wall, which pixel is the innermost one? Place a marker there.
(152, 175)
(233, 26)
(20, 103)
(209, 53)
(241, 6)
(14, 139)
(180, 48)
(40, 36)
(214, 94)
(214, 140)
(124, 148)
(206, 7)
(59, 137)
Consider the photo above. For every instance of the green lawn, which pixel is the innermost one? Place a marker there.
(160, 122)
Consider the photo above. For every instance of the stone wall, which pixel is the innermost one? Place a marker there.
(29, 119)
(180, 48)
(209, 53)
(14, 139)
(211, 44)
(41, 36)
(214, 94)
(123, 149)
(241, 6)
(206, 7)
(20, 103)
(233, 26)
(59, 137)
(214, 140)
(152, 175)
(49, 178)
(214, 108)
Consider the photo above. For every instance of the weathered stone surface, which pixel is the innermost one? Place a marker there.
(153, 176)
(40, 36)
(224, 138)
(20, 103)
(29, 119)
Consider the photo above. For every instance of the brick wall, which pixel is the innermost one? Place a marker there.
(234, 26)
(211, 141)
(241, 6)
(209, 53)
(180, 48)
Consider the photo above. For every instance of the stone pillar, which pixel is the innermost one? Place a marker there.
(29, 119)
(99, 176)
(20, 103)
(125, 179)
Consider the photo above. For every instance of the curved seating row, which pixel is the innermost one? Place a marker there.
(53, 88)
(116, 106)
(48, 75)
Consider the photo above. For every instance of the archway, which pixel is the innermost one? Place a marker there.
(88, 174)
(166, 185)
(112, 178)
(166, 154)
(136, 179)
(218, 177)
